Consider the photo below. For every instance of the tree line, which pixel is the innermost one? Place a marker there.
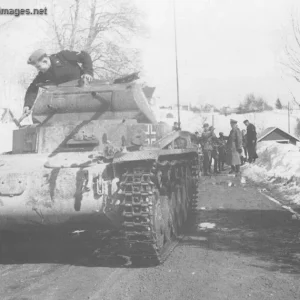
(251, 103)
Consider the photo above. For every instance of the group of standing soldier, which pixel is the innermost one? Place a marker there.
(233, 150)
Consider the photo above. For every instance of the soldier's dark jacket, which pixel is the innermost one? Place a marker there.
(64, 68)
(251, 134)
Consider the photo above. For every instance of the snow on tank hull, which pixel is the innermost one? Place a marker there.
(35, 197)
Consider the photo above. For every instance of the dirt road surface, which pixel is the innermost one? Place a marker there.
(237, 245)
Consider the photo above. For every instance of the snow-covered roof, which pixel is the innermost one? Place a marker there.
(269, 130)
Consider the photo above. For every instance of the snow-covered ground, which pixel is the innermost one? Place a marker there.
(278, 167)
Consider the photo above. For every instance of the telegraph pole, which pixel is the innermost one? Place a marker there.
(289, 116)
(177, 81)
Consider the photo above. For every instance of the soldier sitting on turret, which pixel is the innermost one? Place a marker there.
(56, 69)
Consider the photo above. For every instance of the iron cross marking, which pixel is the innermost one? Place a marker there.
(150, 134)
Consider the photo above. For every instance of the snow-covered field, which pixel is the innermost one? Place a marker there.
(194, 122)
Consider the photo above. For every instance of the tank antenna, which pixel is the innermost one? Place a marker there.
(177, 81)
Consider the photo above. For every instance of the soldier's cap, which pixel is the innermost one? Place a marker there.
(211, 128)
(246, 121)
(233, 121)
(196, 132)
(205, 125)
(36, 56)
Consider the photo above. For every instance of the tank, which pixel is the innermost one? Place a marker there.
(96, 153)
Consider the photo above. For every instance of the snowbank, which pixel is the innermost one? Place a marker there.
(280, 160)
(278, 167)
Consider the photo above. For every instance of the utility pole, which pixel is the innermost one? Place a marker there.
(289, 116)
(177, 81)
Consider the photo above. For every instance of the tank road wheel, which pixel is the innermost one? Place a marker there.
(173, 205)
(192, 186)
(185, 201)
(158, 222)
(189, 182)
(179, 205)
(161, 220)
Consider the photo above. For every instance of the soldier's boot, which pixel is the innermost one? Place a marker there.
(237, 170)
(216, 168)
(232, 170)
(205, 169)
(205, 173)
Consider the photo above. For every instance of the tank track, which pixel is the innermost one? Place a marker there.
(156, 198)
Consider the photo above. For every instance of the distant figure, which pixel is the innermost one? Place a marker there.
(222, 151)
(175, 126)
(215, 152)
(234, 148)
(244, 137)
(197, 138)
(251, 141)
(206, 143)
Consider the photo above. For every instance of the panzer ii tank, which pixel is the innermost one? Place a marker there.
(97, 152)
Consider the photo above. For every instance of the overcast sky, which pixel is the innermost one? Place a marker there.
(226, 48)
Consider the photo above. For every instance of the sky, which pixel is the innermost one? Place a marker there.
(226, 48)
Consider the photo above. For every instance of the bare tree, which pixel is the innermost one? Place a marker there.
(5, 24)
(103, 28)
(292, 50)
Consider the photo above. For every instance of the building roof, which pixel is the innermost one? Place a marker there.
(269, 130)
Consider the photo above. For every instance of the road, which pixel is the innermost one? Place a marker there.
(237, 244)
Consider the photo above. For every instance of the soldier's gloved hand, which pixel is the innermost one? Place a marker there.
(26, 110)
(240, 151)
(87, 77)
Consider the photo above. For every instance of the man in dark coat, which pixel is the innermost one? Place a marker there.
(56, 69)
(251, 141)
(222, 151)
(234, 148)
